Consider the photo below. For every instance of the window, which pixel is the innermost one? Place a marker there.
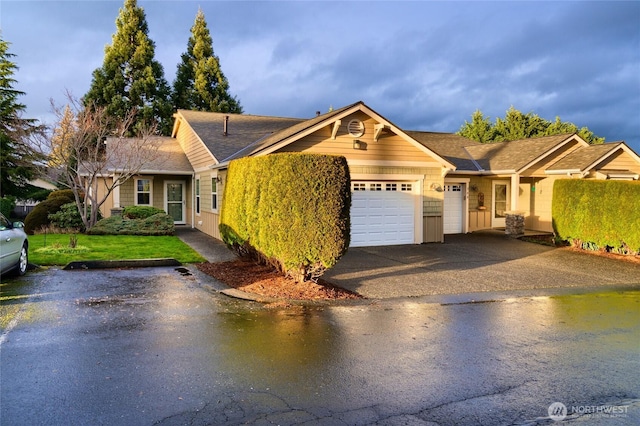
(214, 193)
(375, 187)
(143, 192)
(392, 187)
(359, 186)
(406, 187)
(197, 196)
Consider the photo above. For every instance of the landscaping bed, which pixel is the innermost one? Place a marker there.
(265, 281)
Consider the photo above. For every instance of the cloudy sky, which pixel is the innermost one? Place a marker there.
(423, 65)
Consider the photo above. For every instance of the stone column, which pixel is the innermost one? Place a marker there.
(514, 223)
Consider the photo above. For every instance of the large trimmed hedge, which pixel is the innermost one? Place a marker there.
(289, 210)
(598, 214)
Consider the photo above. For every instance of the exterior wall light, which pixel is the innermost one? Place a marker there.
(356, 144)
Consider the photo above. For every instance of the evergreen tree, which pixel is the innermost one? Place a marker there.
(480, 128)
(18, 159)
(516, 125)
(130, 79)
(200, 84)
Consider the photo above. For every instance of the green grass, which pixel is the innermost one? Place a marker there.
(110, 247)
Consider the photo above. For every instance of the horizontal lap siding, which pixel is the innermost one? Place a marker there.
(198, 155)
(620, 161)
(389, 147)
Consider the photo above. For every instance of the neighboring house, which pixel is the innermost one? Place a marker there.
(24, 207)
(408, 187)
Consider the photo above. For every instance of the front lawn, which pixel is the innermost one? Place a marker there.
(108, 247)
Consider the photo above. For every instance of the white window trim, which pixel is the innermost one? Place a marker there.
(136, 192)
(197, 190)
(214, 195)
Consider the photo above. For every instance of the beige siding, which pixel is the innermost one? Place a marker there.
(106, 207)
(389, 147)
(208, 220)
(479, 219)
(620, 161)
(198, 155)
(538, 216)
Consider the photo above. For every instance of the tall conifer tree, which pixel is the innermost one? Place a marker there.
(130, 78)
(200, 84)
(18, 159)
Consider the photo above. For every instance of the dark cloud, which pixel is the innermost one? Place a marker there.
(424, 65)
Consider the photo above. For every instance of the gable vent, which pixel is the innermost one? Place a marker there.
(355, 128)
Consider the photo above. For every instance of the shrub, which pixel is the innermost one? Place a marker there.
(140, 212)
(64, 193)
(289, 210)
(68, 217)
(39, 216)
(7, 204)
(598, 214)
(158, 224)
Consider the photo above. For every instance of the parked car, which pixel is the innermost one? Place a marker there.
(14, 247)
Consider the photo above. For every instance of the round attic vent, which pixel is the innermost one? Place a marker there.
(355, 128)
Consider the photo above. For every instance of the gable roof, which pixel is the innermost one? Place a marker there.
(285, 133)
(515, 156)
(160, 154)
(242, 129)
(289, 135)
(585, 158)
(448, 145)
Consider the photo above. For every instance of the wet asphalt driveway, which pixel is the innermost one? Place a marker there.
(155, 347)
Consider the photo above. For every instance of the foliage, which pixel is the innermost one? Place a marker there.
(7, 204)
(200, 84)
(110, 247)
(516, 125)
(140, 212)
(90, 142)
(158, 224)
(289, 210)
(68, 217)
(39, 216)
(18, 158)
(130, 79)
(598, 214)
(64, 193)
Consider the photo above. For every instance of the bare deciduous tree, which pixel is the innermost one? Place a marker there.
(89, 148)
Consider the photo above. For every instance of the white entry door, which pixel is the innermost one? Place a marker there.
(382, 213)
(174, 200)
(500, 202)
(453, 208)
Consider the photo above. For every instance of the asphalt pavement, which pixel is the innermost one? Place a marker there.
(474, 266)
(154, 346)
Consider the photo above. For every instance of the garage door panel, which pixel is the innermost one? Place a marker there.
(453, 205)
(382, 217)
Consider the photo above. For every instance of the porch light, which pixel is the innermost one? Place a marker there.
(356, 144)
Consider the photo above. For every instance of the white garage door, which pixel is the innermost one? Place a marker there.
(382, 213)
(453, 204)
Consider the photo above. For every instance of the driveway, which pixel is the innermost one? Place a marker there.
(478, 262)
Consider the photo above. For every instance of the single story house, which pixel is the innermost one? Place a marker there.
(408, 187)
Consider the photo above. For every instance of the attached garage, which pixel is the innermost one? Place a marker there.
(454, 206)
(383, 213)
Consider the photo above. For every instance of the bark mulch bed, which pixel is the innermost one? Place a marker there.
(263, 280)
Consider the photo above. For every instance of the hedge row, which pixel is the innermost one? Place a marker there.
(288, 210)
(598, 214)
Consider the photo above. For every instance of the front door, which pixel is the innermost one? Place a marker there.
(500, 203)
(174, 196)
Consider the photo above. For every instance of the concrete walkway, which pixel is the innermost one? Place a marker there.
(480, 262)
